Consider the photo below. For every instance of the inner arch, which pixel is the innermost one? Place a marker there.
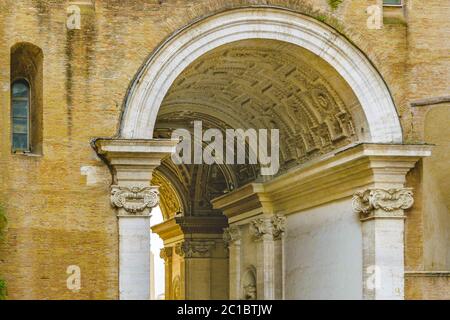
(254, 84)
(268, 84)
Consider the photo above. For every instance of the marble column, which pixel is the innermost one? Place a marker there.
(132, 163)
(267, 232)
(232, 239)
(382, 214)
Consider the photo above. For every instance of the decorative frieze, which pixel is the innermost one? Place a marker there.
(195, 249)
(135, 200)
(273, 227)
(376, 203)
(231, 235)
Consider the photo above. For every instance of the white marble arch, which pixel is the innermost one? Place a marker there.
(175, 54)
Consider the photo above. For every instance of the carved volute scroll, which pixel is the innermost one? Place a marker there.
(135, 201)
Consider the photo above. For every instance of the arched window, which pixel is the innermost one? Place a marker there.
(26, 99)
(20, 95)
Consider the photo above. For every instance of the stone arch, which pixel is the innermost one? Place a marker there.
(169, 60)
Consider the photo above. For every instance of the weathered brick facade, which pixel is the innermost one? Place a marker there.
(57, 219)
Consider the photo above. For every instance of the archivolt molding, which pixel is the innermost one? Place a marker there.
(159, 73)
(170, 202)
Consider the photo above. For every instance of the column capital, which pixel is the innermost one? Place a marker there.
(165, 253)
(382, 203)
(195, 248)
(231, 235)
(269, 227)
(134, 201)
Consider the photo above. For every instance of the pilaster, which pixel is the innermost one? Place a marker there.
(382, 213)
(132, 163)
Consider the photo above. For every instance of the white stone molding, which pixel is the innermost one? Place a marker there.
(382, 214)
(168, 61)
(321, 181)
(135, 200)
(132, 163)
(380, 203)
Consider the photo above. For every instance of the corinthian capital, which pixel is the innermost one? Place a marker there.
(373, 203)
(261, 228)
(273, 227)
(279, 226)
(165, 253)
(134, 200)
(231, 235)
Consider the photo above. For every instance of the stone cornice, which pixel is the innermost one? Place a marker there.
(141, 149)
(332, 177)
(201, 224)
(179, 227)
(380, 203)
(250, 197)
(132, 162)
(134, 201)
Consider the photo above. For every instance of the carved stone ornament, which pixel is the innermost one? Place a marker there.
(194, 249)
(273, 227)
(374, 203)
(134, 200)
(231, 235)
(165, 253)
(261, 227)
(279, 226)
